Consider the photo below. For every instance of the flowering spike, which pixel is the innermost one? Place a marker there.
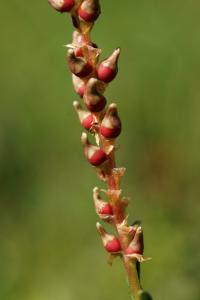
(78, 65)
(136, 246)
(94, 154)
(94, 100)
(79, 85)
(85, 117)
(110, 242)
(111, 125)
(62, 5)
(89, 10)
(108, 68)
(103, 209)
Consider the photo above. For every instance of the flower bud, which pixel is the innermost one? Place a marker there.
(62, 5)
(78, 65)
(94, 101)
(79, 85)
(94, 154)
(89, 10)
(136, 246)
(103, 209)
(107, 69)
(110, 242)
(111, 125)
(85, 117)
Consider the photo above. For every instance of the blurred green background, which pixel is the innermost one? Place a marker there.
(49, 248)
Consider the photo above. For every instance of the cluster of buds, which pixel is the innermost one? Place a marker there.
(90, 79)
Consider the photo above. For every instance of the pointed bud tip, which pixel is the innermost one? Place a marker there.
(84, 138)
(76, 104)
(112, 106)
(99, 226)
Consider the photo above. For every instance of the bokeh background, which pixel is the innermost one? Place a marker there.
(49, 248)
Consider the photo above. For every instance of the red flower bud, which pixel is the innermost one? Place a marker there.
(89, 10)
(107, 69)
(79, 85)
(111, 125)
(136, 246)
(94, 101)
(110, 242)
(103, 209)
(62, 5)
(94, 154)
(78, 65)
(85, 117)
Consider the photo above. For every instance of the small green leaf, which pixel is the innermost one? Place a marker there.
(144, 295)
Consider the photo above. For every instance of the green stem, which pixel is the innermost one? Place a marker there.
(133, 278)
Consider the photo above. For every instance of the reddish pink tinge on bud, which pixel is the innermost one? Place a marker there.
(111, 125)
(106, 210)
(113, 246)
(107, 69)
(79, 52)
(85, 117)
(78, 65)
(89, 10)
(94, 154)
(94, 101)
(62, 5)
(136, 246)
(110, 242)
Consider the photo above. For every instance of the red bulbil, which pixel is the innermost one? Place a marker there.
(87, 122)
(89, 10)
(113, 246)
(105, 73)
(86, 70)
(111, 124)
(86, 16)
(108, 68)
(106, 210)
(110, 132)
(96, 107)
(98, 157)
(78, 65)
(68, 5)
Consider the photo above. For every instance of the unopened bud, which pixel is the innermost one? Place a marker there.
(110, 242)
(85, 117)
(111, 125)
(89, 10)
(79, 85)
(78, 65)
(94, 154)
(108, 68)
(93, 99)
(62, 5)
(136, 246)
(103, 209)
